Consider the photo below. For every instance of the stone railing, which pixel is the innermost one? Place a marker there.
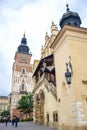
(38, 83)
(51, 88)
(48, 85)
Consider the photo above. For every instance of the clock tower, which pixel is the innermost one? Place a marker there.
(21, 75)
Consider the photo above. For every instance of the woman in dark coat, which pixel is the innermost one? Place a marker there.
(16, 121)
(13, 120)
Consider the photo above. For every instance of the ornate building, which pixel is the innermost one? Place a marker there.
(45, 90)
(60, 83)
(21, 76)
(3, 103)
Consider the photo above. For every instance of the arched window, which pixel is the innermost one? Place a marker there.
(37, 98)
(86, 100)
(42, 95)
(22, 87)
(23, 71)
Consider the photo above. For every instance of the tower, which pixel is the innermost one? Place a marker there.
(21, 75)
(70, 18)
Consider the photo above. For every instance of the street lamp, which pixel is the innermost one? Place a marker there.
(68, 73)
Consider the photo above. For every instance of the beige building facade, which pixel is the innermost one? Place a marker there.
(71, 46)
(45, 90)
(3, 103)
(60, 84)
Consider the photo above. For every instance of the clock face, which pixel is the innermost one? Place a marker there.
(23, 57)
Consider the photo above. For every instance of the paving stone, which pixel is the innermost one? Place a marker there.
(24, 126)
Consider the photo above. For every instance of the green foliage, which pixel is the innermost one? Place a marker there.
(25, 104)
(5, 113)
(25, 120)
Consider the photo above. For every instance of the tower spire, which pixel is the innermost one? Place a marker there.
(24, 40)
(24, 34)
(70, 18)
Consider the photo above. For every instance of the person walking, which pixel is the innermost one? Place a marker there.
(16, 122)
(13, 120)
(6, 121)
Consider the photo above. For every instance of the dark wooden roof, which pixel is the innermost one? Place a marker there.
(48, 60)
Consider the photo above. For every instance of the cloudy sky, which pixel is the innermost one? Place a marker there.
(34, 17)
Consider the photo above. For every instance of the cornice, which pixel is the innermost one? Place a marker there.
(64, 30)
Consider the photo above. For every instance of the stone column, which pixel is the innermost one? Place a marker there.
(78, 115)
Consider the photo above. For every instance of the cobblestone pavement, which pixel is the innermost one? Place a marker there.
(24, 126)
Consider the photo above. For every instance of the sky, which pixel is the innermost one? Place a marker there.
(34, 17)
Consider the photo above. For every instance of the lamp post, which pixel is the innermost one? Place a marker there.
(68, 75)
(69, 72)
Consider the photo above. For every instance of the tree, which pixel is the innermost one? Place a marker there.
(30, 103)
(5, 113)
(25, 104)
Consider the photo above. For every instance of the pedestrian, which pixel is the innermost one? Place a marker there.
(13, 122)
(16, 122)
(6, 121)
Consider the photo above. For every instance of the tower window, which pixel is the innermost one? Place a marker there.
(23, 71)
(22, 87)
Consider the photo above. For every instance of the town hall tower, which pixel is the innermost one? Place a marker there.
(21, 75)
